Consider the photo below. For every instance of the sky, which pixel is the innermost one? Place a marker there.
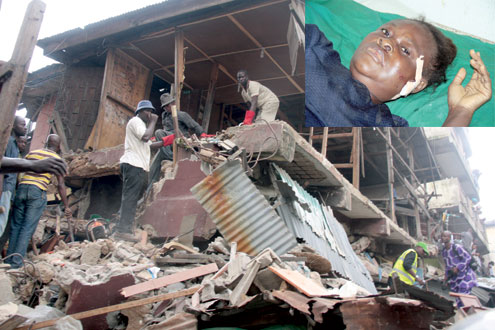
(59, 16)
(63, 15)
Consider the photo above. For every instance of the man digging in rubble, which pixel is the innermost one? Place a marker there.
(30, 201)
(258, 97)
(135, 165)
(406, 265)
(167, 134)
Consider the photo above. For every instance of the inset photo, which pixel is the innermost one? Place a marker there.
(399, 63)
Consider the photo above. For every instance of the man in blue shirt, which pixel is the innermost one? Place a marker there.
(9, 181)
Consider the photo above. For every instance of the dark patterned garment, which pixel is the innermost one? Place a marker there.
(465, 279)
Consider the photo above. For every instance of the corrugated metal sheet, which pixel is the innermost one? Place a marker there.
(319, 228)
(241, 212)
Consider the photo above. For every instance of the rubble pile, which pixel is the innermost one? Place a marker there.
(218, 287)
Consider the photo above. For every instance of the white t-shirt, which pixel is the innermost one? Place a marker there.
(137, 152)
(264, 94)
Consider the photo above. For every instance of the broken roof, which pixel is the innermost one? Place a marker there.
(232, 33)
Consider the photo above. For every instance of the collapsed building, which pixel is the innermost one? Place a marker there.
(264, 203)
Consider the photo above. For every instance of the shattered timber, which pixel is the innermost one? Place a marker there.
(272, 224)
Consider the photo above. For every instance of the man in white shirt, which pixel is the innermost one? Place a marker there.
(135, 163)
(259, 97)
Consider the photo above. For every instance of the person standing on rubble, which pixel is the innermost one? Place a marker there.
(167, 134)
(30, 201)
(458, 273)
(10, 180)
(406, 265)
(258, 97)
(135, 164)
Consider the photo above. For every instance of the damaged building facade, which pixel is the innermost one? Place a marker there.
(274, 208)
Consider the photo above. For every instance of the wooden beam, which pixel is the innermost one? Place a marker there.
(355, 153)
(333, 136)
(390, 173)
(11, 89)
(344, 165)
(311, 131)
(114, 308)
(324, 142)
(179, 66)
(169, 279)
(257, 43)
(59, 127)
(210, 96)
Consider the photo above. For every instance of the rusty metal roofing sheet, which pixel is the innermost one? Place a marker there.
(307, 219)
(241, 212)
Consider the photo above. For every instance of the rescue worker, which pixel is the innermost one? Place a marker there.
(167, 134)
(135, 164)
(406, 265)
(259, 97)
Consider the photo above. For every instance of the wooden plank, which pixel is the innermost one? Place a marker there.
(179, 66)
(305, 285)
(11, 90)
(324, 142)
(174, 260)
(344, 165)
(333, 136)
(118, 307)
(170, 279)
(125, 83)
(390, 172)
(210, 96)
(355, 153)
(59, 126)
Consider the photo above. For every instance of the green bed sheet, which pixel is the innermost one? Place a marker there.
(346, 23)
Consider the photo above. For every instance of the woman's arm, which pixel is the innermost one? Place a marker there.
(464, 101)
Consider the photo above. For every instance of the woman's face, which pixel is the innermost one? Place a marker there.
(386, 59)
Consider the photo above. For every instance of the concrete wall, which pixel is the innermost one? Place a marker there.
(448, 191)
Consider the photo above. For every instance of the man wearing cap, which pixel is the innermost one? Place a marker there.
(406, 266)
(259, 97)
(135, 163)
(167, 134)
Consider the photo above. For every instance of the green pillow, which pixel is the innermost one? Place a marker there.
(346, 23)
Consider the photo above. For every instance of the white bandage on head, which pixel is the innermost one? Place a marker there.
(411, 85)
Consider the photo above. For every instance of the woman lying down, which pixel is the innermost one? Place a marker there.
(400, 58)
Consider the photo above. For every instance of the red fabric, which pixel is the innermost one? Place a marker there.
(204, 135)
(168, 140)
(248, 119)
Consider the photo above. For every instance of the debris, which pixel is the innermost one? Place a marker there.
(166, 280)
(305, 285)
(91, 254)
(315, 262)
(113, 308)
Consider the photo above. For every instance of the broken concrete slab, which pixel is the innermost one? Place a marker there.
(91, 254)
(6, 289)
